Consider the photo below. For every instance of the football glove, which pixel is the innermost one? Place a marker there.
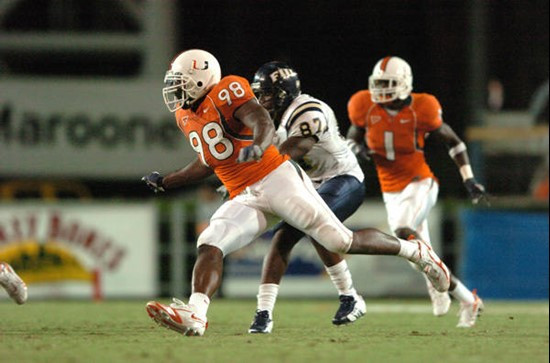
(250, 153)
(359, 150)
(223, 192)
(154, 181)
(476, 191)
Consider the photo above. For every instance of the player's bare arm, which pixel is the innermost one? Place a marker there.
(356, 134)
(447, 135)
(256, 118)
(297, 146)
(192, 173)
(458, 152)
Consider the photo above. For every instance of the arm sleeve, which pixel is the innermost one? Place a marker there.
(357, 108)
(231, 93)
(431, 114)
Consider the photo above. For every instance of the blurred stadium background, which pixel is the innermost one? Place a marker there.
(82, 119)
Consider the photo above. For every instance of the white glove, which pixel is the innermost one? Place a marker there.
(359, 150)
(250, 153)
(222, 190)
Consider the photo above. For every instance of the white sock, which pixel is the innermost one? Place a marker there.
(407, 249)
(200, 301)
(341, 278)
(462, 294)
(267, 295)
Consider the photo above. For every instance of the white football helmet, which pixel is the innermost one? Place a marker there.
(192, 74)
(391, 79)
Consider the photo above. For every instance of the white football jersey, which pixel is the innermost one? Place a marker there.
(330, 156)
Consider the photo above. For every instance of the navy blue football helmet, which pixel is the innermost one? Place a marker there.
(276, 84)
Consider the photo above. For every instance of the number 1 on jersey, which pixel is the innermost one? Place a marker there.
(388, 145)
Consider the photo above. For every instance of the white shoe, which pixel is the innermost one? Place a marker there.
(441, 301)
(9, 280)
(178, 316)
(469, 313)
(429, 263)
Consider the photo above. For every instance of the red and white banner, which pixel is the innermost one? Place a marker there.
(85, 250)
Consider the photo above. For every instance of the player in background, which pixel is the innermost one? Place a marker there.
(232, 135)
(307, 131)
(12, 283)
(390, 123)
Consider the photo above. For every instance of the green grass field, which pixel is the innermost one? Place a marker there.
(392, 331)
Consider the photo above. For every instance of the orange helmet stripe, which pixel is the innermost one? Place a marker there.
(385, 63)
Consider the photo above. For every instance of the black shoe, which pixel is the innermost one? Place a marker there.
(262, 323)
(350, 310)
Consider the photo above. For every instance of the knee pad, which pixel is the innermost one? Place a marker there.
(223, 235)
(334, 239)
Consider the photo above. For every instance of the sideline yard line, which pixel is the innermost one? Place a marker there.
(398, 308)
(498, 308)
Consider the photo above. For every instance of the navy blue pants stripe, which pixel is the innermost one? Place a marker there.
(343, 194)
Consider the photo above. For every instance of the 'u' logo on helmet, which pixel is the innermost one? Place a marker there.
(200, 69)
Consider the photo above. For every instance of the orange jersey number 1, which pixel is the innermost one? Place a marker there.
(388, 144)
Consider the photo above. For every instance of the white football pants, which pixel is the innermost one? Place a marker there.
(411, 206)
(286, 192)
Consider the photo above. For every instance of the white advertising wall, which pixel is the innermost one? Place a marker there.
(82, 250)
(87, 128)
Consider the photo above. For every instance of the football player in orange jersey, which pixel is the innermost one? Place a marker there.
(390, 124)
(232, 136)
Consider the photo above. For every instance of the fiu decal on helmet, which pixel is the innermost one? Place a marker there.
(391, 79)
(275, 85)
(192, 74)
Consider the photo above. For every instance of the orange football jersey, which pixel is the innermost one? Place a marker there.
(397, 141)
(217, 136)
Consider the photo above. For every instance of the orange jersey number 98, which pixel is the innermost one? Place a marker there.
(211, 138)
(219, 147)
